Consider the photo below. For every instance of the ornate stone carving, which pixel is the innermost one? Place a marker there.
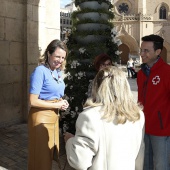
(133, 17)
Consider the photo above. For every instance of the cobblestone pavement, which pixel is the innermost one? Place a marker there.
(14, 140)
(13, 149)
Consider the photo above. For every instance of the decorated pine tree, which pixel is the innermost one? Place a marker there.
(92, 34)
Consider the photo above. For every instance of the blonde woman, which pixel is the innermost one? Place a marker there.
(109, 132)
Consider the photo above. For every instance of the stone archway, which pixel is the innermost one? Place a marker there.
(124, 56)
(164, 54)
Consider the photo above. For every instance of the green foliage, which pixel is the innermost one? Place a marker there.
(79, 69)
(92, 32)
(77, 22)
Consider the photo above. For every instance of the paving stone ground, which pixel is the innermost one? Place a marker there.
(13, 149)
(14, 140)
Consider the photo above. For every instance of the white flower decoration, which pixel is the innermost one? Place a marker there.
(69, 76)
(116, 40)
(66, 31)
(74, 64)
(118, 52)
(82, 50)
(80, 74)
(73, 114)
(76, 108)
(119, 42)
(113, 31)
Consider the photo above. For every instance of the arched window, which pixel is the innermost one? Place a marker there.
(162, 12)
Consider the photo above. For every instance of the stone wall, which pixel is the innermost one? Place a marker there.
(26, 27)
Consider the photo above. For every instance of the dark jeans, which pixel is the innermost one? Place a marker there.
(157, 152)
(130, 71)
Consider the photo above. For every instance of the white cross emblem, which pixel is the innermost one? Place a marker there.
(156, 80)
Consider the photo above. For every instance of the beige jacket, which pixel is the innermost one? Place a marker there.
(99, 145)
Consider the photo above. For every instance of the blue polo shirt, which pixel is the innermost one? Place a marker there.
(46, 83)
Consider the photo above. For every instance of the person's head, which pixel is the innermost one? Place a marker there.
(55, 55)
(102, 61)
(151, 48)
(111, 90)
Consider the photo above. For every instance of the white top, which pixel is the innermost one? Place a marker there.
(101, 145)
(130, 64)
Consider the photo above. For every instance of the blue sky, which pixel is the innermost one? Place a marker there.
(64, 2)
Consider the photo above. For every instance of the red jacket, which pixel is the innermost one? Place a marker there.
(154, 95)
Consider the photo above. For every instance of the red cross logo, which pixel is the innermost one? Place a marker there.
(156, 80)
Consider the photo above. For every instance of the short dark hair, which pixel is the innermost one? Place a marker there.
(156, 39)
(100, 59)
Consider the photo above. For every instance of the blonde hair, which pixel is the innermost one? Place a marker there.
(51, 49)
(111, 90)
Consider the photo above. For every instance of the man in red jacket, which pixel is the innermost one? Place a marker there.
(154, 94)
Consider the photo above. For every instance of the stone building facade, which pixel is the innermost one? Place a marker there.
(65, 19)
(26, 28)
(65, 22)
(137, 18)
